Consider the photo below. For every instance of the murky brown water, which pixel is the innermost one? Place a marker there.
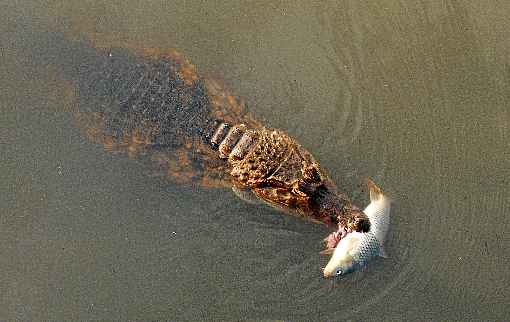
(415, 96)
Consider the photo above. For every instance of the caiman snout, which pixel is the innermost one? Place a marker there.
(339, 210)
(358, 221)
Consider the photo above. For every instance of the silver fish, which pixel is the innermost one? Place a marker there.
(355, 249)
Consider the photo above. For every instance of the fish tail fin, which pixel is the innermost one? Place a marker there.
(375, 192)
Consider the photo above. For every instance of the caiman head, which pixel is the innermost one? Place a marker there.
(328, 205)
(284, 174)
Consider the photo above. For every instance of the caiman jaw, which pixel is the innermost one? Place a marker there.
(353, 219)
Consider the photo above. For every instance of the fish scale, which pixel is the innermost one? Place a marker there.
(369, 247)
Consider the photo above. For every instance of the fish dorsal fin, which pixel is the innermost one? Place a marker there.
(376, 193)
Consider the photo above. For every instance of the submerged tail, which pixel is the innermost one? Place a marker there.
(42, 47)
(149, 104)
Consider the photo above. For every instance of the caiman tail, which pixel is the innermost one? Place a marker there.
(152, 104)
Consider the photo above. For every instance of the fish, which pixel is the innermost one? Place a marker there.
(354, 250)
(153, 106)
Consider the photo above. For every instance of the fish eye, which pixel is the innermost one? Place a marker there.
(338, 272)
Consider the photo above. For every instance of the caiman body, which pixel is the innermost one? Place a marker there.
(153, 105)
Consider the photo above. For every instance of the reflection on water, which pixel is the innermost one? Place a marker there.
(415, 96)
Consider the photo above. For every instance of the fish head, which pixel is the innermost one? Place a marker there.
(343, 261)
(352, 253)
(343, 266)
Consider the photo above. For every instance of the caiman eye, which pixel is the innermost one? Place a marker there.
(338, 272)
(311, 174)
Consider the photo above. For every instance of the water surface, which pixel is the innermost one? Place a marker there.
(415, 96)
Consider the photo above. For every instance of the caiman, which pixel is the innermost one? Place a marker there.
(153, 104)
